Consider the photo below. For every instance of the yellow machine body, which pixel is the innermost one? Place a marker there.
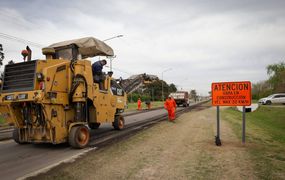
(56, 95)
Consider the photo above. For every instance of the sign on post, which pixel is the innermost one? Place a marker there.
(231, 93)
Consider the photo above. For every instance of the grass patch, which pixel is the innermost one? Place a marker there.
(265, 136)
(2, 120)
(133, 106)
(254, 101)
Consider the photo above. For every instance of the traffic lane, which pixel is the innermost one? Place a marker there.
(18, 160)
(131, 119)
(143, 116)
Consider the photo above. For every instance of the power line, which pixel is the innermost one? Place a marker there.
(20, 40)
(118, 36)
(17, 21)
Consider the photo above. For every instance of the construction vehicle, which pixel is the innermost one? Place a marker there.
(138, 81)
(55, 100)
(181, 98)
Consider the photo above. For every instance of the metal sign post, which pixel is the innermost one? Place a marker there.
(243, 124)
(231, 94)
(218, 140)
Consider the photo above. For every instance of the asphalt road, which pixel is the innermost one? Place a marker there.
(19, 161)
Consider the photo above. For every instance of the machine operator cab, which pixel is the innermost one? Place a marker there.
(79, 49)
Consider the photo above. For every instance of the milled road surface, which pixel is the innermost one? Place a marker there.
(17, 161)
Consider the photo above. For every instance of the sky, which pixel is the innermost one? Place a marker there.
(190, 43)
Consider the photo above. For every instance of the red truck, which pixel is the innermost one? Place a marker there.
(181, 98)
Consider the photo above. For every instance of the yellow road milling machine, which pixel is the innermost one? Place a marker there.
(55, 100)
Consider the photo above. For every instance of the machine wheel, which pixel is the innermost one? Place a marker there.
(79, 136)
(16, 136)
(94, 125)
(268, 102)
(119, 122)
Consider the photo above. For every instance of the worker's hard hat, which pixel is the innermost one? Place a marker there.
(25, 52)
(104, 61)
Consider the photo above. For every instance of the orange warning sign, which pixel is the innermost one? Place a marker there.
(231, 93)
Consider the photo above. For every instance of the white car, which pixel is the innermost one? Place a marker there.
(273, 99)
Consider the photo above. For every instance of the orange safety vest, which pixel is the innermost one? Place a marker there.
(169, 104)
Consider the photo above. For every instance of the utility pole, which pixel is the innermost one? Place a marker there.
(162, 95)
(111, 58)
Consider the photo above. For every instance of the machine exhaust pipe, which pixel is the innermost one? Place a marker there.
(29, 53)
(78, 112)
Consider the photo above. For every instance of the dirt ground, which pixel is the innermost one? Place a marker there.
(181, 150)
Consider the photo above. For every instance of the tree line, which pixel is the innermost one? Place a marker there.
(152, 91)
(274, 84)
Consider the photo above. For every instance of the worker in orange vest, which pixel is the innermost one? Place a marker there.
(170, 106)
(139, 104)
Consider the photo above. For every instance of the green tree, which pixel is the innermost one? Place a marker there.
(172, 88)
(133, 97)
(193, 94)
(155, 89)
(152, 91)
(276, 74)
(261, 89)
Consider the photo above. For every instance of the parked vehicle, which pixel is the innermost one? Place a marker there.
(273, 99)
(181, 98)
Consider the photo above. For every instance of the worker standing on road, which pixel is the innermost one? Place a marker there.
(170, 106)
(139, 104)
